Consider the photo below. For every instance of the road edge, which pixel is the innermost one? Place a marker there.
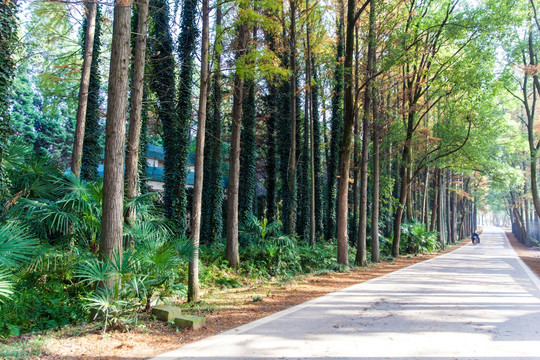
(532, 276)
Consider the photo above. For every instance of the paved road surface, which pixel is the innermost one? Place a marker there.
(478, 302)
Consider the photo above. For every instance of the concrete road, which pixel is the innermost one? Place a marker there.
(478, 302)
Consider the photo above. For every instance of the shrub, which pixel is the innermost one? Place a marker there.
(417, 239)
(42, 301)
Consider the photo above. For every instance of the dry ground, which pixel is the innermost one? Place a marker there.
(529, 257)
(224, 309)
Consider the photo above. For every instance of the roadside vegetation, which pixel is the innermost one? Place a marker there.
(266, 140)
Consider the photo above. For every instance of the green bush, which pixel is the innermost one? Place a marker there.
(40, 302)
(417, 239)
(265, 252)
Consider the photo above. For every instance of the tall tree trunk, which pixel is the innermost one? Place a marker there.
(92, 150)
(527, 221)
(455, 235)
(212, 200)
(292, 156)
(346, 141)
(404, 184)
(187, 40)
(317, 156)
(76, 155)
(272, 121)
(361, 255)
(115, 133)
(303, 222)
(284, 133)
(375, 252)
(231, 249)
(425, 200)
(410, 200)
(310, 117)
(356, 146)
(193, 271)
(435, 200)
(8, 31)
(336, 130)
(143, 143)
(447, 202)
(137, 85)
(248, 153)
(162, 82)
(530, 110)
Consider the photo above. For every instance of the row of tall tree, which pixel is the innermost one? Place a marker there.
(338, 120)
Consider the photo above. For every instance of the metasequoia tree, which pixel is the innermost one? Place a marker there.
(272, 122)
(186, 51)
(137, 86)
(284, 142)
(76, 155)
(369, 95)
(310, 121)
(193, 274)
(529, 100)
(212, 199)
(336, 130)
(346, 142)
(292, 171)
(231, 249)
(92, 149)
(8, 30)
(317, 158)
(248, 152)
(115, 131)
(162, 83)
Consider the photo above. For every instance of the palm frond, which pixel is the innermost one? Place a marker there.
(16, 245)
(94, 271)
(6, 285)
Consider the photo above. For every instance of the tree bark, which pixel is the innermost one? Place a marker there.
(231, 249)
(527, 220)
(435, 207)
(76, 155)
(292, 156)
(346, 141)
(115, 133)
(454, 216)
(193, 271)
(356, 146)
(425, 200)
(375, 252)
(361, 254)
(134, 135)
(309, 101)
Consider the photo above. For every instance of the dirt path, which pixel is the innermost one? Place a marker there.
(529, 257)
(224, 309)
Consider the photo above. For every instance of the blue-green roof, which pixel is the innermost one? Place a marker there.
(155, 152)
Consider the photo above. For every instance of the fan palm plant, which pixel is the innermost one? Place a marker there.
(16, 249)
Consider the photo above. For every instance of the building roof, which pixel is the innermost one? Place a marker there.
(155, 152)
(155, 173)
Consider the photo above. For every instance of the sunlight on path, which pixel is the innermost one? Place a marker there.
(478, 302)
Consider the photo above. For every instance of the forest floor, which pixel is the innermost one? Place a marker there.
(223, 308)
(529, 256)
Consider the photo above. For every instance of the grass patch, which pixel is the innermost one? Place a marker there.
(25, 348)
